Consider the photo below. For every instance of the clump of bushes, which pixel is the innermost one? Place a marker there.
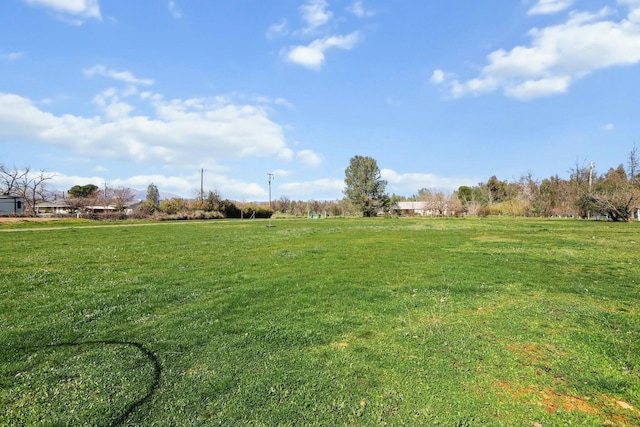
(256, 211)
(187, 215)
(211, 207)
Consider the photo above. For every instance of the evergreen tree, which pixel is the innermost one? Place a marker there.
(364, 186)
(153, 195)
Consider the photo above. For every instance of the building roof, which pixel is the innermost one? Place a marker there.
(54, 204)
(412, 205)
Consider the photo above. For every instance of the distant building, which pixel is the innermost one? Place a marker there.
(56, 207)
(11, 205)
(62, 207)
(413, 208)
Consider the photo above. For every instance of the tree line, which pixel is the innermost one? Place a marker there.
(614, 195)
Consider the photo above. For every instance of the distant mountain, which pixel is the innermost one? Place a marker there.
(142, 195)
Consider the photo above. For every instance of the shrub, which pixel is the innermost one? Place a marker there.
(257, 211)
(146, 209)
(229, 209)
(173, 206)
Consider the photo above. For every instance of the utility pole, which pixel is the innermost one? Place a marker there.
(271, 176)
(591, 165)
(201, 185)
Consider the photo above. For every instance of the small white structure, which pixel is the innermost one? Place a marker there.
(63, 207)
(56, 207)
(11, 205)
(413, 208)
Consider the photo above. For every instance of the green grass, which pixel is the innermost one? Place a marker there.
(322, 322)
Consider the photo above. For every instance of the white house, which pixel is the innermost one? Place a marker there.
(56, 207)
(11, 205)
(413, 208)
(63, 207)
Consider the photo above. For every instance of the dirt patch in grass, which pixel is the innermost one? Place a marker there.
(554, 401)
(551, 399)
(533, 353)
(613, 411)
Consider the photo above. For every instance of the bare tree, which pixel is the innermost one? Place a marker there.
(121, 197)
(529, 189)
(29, 185)
(10, 179)
(614, 195)
(439, 203)
(284, 204)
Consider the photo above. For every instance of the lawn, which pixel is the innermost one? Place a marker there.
(453, 322)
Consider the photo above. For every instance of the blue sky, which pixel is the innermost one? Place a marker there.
(441, 93)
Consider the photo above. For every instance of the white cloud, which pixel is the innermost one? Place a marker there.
(281, 172)
(278, 30)
(309, 158)
(546, 7)
(536, 88)
(11, 56)
(315, 14)
(358, 9)
(123, 76)
(173, 10)
(321, 189)
(283, 102)
(75, 10)
(110, 104)
(410, 183)
(242, 189)
(316, 17)
(608, 127)
(182, 133)
(313, 55)
(557, 56)
(286, 154)
(437, 77)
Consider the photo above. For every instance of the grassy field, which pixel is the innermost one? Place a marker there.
(449, 322)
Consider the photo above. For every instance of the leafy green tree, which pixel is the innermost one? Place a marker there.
(82, 191)
(465, 194)
(497, 190)
(364, 186)
(548, 201)
(473, 199)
